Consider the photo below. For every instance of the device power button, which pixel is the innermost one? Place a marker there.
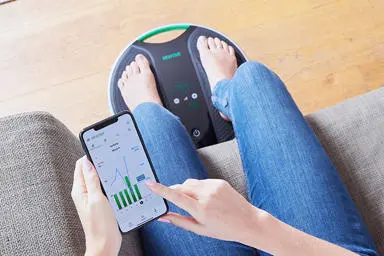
(196, 133)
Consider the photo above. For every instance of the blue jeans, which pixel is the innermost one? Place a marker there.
(288, 172)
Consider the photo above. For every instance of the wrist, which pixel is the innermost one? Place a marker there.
(260, 231)
(267, 233)
(93, 252)
(98, 252)
(102, 248)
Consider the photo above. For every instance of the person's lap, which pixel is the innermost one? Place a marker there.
(175, 159)
(288, 172)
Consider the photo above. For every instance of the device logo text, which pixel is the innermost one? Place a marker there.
(171, 56)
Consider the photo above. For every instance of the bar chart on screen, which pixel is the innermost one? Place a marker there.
(131, 192)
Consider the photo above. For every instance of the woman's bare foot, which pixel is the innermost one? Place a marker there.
(218, 59)
(137, 83)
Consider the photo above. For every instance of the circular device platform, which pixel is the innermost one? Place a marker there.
(181, 80)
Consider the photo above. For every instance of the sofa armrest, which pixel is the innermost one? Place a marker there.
(352, 133)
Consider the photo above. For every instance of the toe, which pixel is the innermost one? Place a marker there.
(142, 62)
(231, 50)
(135, 67)
(211, 43)
(128, 71)
(124, 76)
(120, 84)
(218, 43)
(225, 46)
(202, 43)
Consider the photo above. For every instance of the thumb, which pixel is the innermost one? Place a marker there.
(92, 181)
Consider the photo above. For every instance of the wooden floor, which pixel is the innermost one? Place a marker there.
(56, 55)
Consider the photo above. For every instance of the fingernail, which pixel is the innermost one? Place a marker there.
(150, 183)
(164, 220)
(86, 164)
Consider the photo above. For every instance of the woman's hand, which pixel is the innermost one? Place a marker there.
(102, 234)
(217, 209)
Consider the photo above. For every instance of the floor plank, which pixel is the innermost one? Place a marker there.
(56, 55)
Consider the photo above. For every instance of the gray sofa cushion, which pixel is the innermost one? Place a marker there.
(38, 217)
(352, 133)
(223, 162)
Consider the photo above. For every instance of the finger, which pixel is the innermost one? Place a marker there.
(192, 187)
(188, 183)
(185, 222)
(91, 178)
(192, 182)
(175, 186)
(185, 189)
(78, 186)
(178, 198)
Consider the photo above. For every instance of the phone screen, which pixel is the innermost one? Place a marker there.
(123, 166)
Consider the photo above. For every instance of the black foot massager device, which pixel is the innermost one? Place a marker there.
(181, 80)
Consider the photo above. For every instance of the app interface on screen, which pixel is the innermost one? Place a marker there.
(122, 165)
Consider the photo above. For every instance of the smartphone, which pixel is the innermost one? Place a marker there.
(116, 149)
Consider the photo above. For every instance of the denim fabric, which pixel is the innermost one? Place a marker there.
(175, 159)
(287, 170)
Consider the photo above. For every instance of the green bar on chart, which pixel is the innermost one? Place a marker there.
(137, 191)
(123, 199)
(117, 201)
(130, 188)
(127, 181)
(127, 196)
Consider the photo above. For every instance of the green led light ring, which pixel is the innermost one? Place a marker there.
(160, 30)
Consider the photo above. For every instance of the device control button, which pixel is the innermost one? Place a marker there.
(196, 132)
(194, 96)
(176, 101)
